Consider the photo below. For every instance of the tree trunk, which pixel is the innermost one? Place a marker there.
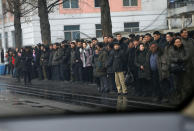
(17, 24)
(105, 18)
(44, 22)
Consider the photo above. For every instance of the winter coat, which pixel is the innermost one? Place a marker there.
(119, 61)
(56, 58)
(164, 63)
(161, 67)
(75, 57)
(66, 56)
(86, 57)
(131, 58)
(189, 47)
(26, 61)
(161, 43)
(109, 62)
(38, 54)
(94, 65)
(44, 59)
(100, 64)
(50, 57)
(178, 54)
(141, 59)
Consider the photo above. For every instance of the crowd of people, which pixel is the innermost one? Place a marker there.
(158, 65)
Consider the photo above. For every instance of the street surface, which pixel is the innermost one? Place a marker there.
(13, 104)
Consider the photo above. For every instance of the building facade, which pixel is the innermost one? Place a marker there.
(81, 19)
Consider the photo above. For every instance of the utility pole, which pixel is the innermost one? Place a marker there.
(2, 26)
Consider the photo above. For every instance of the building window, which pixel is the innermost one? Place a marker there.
(72, 32)
(70, 3)
(130, 2)
(97, 3)
(131, 27)
(98, 30)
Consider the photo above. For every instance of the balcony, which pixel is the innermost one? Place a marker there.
(178, 8)
(179, 4)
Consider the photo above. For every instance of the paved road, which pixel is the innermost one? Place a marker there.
(12, 104)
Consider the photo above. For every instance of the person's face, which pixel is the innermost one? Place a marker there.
(156, 37)
(184, 34)
(62, 45)
(141, 48)
(131, 45)
(153, 48)
(72, 45)
(27, 50)
(169, 38)
(136, 43)
(119, 37)
(94, 42)
(110, 40)
(96, 52)
(116, 46)
(140, 38)
(79, 44)
(144, 40)
(84, 45)
(16, 49)
(148, 38)
(105, 39)
(42, 48)
(50, 47)
(54, 47)
(178, 43)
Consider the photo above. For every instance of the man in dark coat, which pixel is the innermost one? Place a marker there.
(180, 69)
(76, 64)
(55, 63)
(18, 66)
(119, 68)
(161, 42)
(26, 59)
(66, 62)
(37, 63)
(44, 61)
(142, 70)
(109, 66)
(101, 68)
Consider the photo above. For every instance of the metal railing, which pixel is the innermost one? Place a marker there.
(179, 4)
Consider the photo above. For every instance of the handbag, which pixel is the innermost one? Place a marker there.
(129, 78)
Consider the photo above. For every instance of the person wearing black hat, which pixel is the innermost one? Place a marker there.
(119, 68)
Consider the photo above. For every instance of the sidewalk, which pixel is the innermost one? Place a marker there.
(74, 88)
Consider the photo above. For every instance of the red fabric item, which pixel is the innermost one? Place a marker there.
(13, 60)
